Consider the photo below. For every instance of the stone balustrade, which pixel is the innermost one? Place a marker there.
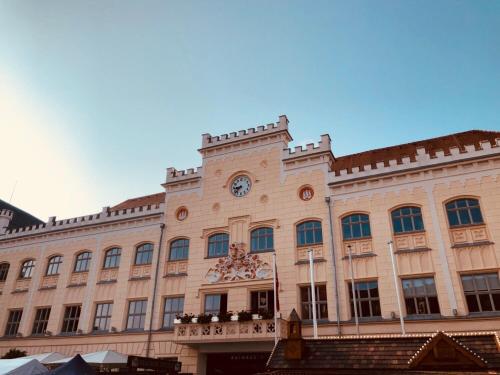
(254, 330)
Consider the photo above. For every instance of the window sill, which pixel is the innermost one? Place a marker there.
(134, 330)
(106, 282)
(47, 287)
(216, 256)
(306, 261)
(76, 285)
(466, 226)
(483, 314)
(109, 268)
(350, 240)
(409, 232)
(177, 260)
(415, 250)
(19, 291)
(309, 322)
(413, 317)
(80, 271)
(176, 274)
(471, 244)
(139, 278)
(261, 251)
(364, 255)
(142, 264)
(309, 245)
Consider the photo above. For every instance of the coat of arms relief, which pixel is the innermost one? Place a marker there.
(239, 265)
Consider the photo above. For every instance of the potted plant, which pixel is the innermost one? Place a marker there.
(256, 317)
(244, 316)
(234, 317)
(215, 319)
(266, 314)
(225, 316)
(204, 318)
(185, 319)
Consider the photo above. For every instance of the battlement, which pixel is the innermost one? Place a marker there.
(6, 213)
(324, 145)
(422, 159)
(173, 175)
(103, 217)
(209, 141)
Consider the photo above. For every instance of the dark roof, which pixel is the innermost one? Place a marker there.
(20, 218)
(398, 152)
(381, 353)
(153, 199)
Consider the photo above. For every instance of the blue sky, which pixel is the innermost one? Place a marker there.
(98, 98)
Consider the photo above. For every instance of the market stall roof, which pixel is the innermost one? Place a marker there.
(76, 365)
(108, 357)
(46, 357)
(21, 366)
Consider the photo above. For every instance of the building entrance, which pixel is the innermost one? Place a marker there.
(236, 363)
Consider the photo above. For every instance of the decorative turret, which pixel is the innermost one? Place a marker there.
(5, 219)
(294, 345)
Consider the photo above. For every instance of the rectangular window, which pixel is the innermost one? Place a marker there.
(41, 321)
(262, 300)
(102, 319)
(137, 314)
(367, 299)
(71, 319)
(420, 296)
(482, 292)
(13, 322)
(321, 302)
(173, 306)
(215, 303)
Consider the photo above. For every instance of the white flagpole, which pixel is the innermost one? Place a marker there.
(275, 301)
(396, 285)
(313, 294)
(353, 290)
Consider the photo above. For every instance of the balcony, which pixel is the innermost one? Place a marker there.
(253, 330)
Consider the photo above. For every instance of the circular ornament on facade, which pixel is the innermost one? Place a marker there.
(306, 193)
(181, 214)
(241, 185)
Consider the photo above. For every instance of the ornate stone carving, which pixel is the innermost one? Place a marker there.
(238, 265)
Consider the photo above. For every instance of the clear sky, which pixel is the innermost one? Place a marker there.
(98, 98)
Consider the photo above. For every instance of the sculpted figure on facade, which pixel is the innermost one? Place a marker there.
(238, 265)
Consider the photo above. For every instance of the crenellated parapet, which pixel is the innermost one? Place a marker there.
(244, 139)
(422, 158)
(106, 216)
(324, 145)
(173, 175)
(5, 219)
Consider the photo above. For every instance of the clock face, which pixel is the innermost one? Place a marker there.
(241, 186)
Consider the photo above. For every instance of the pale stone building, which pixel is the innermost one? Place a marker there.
(117, 279)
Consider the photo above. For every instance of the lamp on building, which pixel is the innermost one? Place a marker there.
(114, 330)
(79, 331)
(19, 334)
(48, 333)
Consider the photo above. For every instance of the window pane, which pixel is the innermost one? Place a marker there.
(453, 218)
(472, 303)
(464, 217)
(485, 301)
(419, 224)
(397, 225)
(476, 215)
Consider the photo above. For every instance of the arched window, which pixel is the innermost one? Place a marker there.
(261, 239)
(144, 254)
(218, 245)
(27, 269)
(53, 265)
(179, 249)
(309, 233)
(82, 263)
(407, 219)
(4, 271)
(356, 226)
(112, 258)
(464, 211)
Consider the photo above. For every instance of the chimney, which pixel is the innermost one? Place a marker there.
(5, 219)
(294, 345)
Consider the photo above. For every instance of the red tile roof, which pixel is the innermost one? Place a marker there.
(372, 157)
(153, 199)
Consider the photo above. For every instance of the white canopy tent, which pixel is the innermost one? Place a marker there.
(21, 366)
(106, 357)
(46, 357)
